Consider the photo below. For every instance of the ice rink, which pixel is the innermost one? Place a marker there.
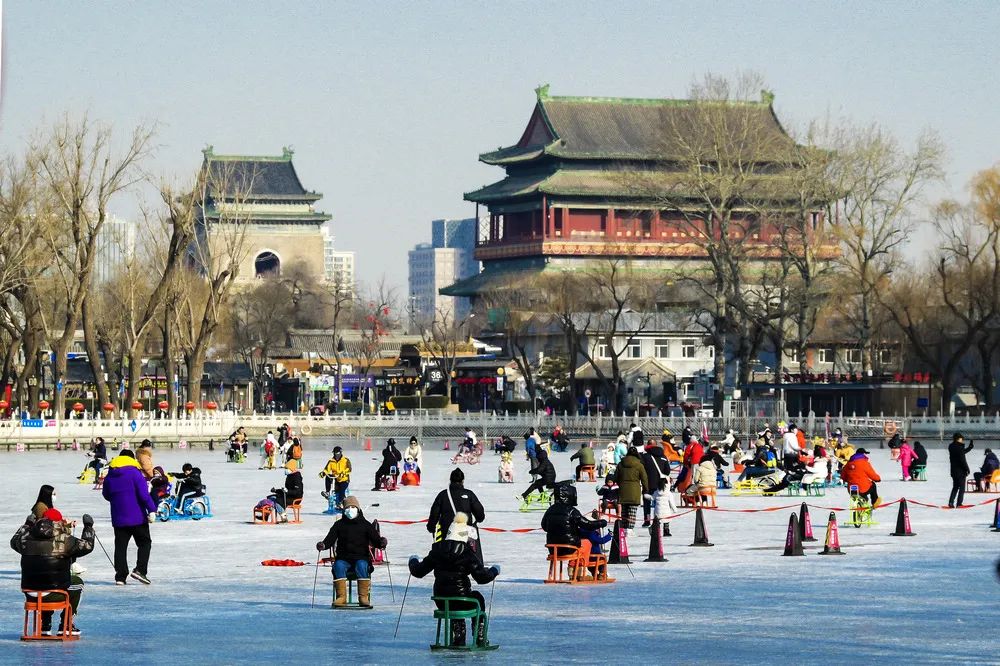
(931, 598)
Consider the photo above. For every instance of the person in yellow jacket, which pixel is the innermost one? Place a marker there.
(337, 474)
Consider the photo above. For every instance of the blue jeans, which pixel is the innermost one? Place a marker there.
(340, 568)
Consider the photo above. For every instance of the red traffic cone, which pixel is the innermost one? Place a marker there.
(447, 446)
(793, 542)
(903, 521)
(805, 524)
(700, 531)
(831, 545)
(368, 445)
(656, 542)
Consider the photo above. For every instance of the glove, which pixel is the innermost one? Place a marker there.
(495, 569)
(602, 524)
(320, 545)
(383, 542)
(972, 443)
(414, 559)
(151, 517)
(88, 520)
(322, 475)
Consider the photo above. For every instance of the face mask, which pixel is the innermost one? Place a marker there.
(337, 456)
(351, 512)
(54, 498)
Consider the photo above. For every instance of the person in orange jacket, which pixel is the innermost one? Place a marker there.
(859, 472)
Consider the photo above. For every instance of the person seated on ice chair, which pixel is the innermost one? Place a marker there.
(453, 563)
(188, 484)
(565, 525)
(545, 472)
(859, 472)
(48, 550)
(352, 537)
(586, 457)
(293, 490)
(990, 465)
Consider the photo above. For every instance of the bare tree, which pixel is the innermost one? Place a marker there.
(83, 171)
(880, 183)
(373, 317)
(445, 338)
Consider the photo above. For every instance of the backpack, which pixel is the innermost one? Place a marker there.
(296, 452)
(269, 448)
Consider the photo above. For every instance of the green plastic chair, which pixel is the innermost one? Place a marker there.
(446, 614)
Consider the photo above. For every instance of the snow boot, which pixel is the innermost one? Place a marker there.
(325, 494)
(340, 586)
(364, 592)
(481, 633)
(458, 633)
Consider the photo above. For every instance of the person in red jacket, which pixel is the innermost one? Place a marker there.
(859, 472)
(693, 453)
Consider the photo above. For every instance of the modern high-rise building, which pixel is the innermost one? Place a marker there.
(115, 248)
(338, 267)
(448, 258)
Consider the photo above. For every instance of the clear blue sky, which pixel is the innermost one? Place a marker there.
(387, 104)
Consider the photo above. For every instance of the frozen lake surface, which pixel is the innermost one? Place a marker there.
(931, 598)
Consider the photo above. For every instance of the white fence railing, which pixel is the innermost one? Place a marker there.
(217, 426)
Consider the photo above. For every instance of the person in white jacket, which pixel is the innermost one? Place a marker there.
(790, 448)
(415, 451)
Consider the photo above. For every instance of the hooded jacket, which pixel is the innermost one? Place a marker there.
(859, 472)
(47, 550)
(655, 465)
(632, 480)
(144, 456)
(351, 538)
(563, 522)
(990, 464)
(585, 455)
(340, 470)
(125, 488)
(452, 562)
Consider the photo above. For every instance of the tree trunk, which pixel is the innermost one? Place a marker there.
(93, 354)
(571, 354)
(134, 374)
(169, 365)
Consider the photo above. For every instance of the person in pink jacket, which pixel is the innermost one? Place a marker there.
(906, 457)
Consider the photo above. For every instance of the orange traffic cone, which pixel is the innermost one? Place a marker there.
(831, 545)
(447, 446)
(368, 445)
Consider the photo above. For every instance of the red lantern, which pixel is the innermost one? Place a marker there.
(4, 405)
(136, 405)
(211, 406)
(43, 404)
(163, 404)
(189, 406)
(108, 407)
(78, 407)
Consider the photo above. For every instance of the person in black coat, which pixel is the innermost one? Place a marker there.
(293, 489)
(919, 461)
(48, 548)
(959, 469)
(390, 458)
(352, 537)
(545, 472)
(441, 515)
(990, 465)
(99, 453)
(563, 522)
(657, 466)
(453, 563)
(189, 484)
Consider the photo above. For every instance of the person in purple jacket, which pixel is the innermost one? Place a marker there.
(125, 488)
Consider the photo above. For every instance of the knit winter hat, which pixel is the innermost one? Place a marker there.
(352, 501)
(457, 475)
(127, 452)
(459, 528)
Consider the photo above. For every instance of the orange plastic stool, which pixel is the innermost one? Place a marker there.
(264, 515)
(568, 556)
(36, 607)
(296, 507)
(589, 471)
